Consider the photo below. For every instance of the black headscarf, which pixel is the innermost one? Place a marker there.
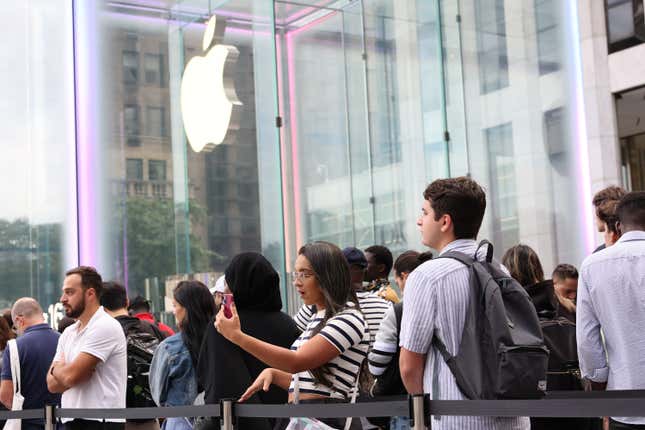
(225, 370)
(254, 283)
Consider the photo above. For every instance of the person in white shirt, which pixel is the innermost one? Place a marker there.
(90, 365)
(611, 300)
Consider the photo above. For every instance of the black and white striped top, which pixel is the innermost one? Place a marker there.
(348, 332)
(372, 305)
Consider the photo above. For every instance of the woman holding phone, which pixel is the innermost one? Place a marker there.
(173, 380)
(225, 370)
(323, 364)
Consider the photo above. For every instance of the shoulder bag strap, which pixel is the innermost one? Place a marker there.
(15, 365)
(296, 388)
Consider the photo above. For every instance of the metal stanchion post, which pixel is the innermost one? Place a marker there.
(226, 406)
(417, 412)
(49, 417)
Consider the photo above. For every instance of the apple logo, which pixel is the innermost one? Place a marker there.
(208, 98)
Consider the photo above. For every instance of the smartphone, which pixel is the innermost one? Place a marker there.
(227, 302)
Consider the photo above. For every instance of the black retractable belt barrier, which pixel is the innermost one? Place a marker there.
(27, 414)
(629, 403)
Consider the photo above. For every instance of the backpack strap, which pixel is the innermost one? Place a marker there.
(489, 250)
(459, 256)
(398, 313)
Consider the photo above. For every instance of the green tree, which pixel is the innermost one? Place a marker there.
(151, 238)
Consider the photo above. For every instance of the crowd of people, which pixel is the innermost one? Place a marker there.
(357, 336)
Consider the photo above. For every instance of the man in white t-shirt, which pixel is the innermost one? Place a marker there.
(90, 365)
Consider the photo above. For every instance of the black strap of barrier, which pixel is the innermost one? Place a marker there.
(556, 404)
(329, 410)
(141, 413)
(23, 415)
(593, 407)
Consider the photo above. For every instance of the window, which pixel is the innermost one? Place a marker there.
(130, 67)
(153, 68)
(157, 170)
(499, 141)
(491, 45)
(625, 23)
(131, 125)
(554, 132)
(155, 121)
(548, 35)
(134, 169)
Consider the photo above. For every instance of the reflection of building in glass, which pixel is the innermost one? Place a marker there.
(222, 185)
(348, 113)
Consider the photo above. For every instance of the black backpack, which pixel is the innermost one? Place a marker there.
(141, 346)
(560, 337)
(502, 354)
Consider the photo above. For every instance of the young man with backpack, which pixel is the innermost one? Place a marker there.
(457, 307)
(142, 339)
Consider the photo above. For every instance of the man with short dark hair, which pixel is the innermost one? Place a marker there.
(36, 348)
(610, 301)
(436, 299)
(114, 300)
(372, 304)
(140, 308)
(379, 265)
(565, 281)
(605, 202)
(89, 368)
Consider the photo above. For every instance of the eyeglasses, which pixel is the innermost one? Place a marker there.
(301, 276)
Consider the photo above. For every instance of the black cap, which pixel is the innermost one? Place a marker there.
(355, 256)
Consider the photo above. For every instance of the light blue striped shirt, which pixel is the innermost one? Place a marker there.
(611, 298)
(436, 297)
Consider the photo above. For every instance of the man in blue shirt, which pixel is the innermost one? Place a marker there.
(36, 348)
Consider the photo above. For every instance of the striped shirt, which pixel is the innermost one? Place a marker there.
(371, 304)
(348, 332)
(436, 298)
(386, 343)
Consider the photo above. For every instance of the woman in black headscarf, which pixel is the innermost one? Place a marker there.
(225, 370)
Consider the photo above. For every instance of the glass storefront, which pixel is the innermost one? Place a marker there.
(37, 146)
(347, 109)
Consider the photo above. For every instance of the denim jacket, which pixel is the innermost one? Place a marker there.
(173, 381)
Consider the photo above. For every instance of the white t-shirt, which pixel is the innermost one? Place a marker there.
(104, 339)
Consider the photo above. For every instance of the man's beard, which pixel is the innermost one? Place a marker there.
(75, 312)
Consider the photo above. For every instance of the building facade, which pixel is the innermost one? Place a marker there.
(348, 109)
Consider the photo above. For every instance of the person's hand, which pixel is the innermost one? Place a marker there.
(228, 327)
(262, 382)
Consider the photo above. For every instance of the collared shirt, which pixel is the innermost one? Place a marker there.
(102, 338)
(611, 298)
(36, 349)
(436, 298)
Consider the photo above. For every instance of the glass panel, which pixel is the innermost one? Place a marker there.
(184, 212)
(448, 93)
(134, 169)
(548, 36)
(130, 67)
(37, 140)
(620, 20)
(154, 67)
(491, 44)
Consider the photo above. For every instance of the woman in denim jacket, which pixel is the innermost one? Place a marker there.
(173, 380)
